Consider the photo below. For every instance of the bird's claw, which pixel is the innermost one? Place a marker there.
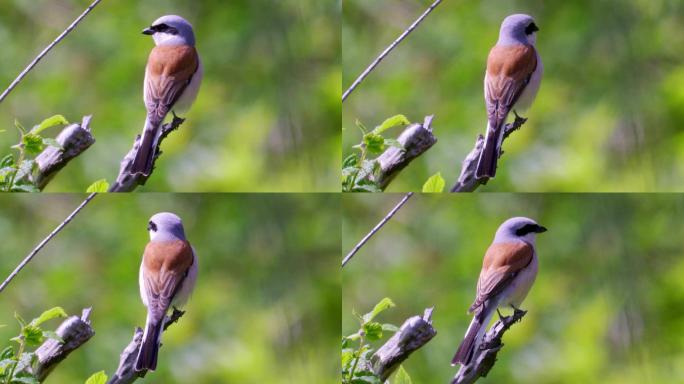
(519, 120)
(501, 317)
(176, 117)
(518, 313)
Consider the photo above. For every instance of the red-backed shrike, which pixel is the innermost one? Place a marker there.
(167, 277)
(172, 80)
(508, 271)
(514, 72)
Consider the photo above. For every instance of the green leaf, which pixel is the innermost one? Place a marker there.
(390, 328)
(25, 169)
(374, 142)
(362, 127)
(99, 186)
(53, 335)
(25, 380)
(347, 356)
(365, 378)
(97, 378)
(20, 319)
(50, 142)
(354, 336)
(7, 161)
(32, 334)
(394, 143)
(50, 314)
(366, 186)
(19, 127)
(435, 184)
(5, 364)
(379, 307)
(402, 377)
(28, 188)
(349, 171)
(49, 123)
(373, 331)
(26, 360)
(369, 167)
(391, 123)
(32, 143)
(350, 161)
(7, 353)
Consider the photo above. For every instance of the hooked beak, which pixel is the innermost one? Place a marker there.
(540, 229)
(148, 31)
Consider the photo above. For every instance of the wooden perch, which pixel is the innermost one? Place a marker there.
(415, 140)
(74, 331)
(485, 356)
(126, 373)
(73, 140)
(413, 334)
(467, 182)
(127, 181)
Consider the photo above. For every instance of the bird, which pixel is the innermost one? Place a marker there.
(172, 80)
(508, 271)
(512, 79)
(167, 277)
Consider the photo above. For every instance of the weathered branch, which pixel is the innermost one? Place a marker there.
(49, 237)
(415, 140)
(74, 332)
(376, 228)
(46, 50)
(127, 181)
(413, 334)
(387, 50)
(126, 373)
(467, 182)
(73, 140)
(485, 356)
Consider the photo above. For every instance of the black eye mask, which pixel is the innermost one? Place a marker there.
(532, 28)
(151, 226)
(529, 228)
(165, 28)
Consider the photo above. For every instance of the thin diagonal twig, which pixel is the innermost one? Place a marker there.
(387, 50)
(46, 50)
(49, 237)
(376, 228)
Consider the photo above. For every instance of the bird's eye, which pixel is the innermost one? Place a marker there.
(164, 28)
(529, 228)
(525, 229)
(151, 226)
(531, 28)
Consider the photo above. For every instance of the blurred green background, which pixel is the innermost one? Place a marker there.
(266, 308)
(608, 116)
(607, 305)
(267, 115)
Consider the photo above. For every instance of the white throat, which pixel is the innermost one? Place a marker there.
(167, 39)
(162, 235)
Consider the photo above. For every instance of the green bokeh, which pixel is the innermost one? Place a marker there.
(266, 307)
(267, 116)
(606, 306)
(608, 115)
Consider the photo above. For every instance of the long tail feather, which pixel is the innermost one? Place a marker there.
(143, 158)
(486, 165)
(474, 336)
(464, 351)
(149, 348)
